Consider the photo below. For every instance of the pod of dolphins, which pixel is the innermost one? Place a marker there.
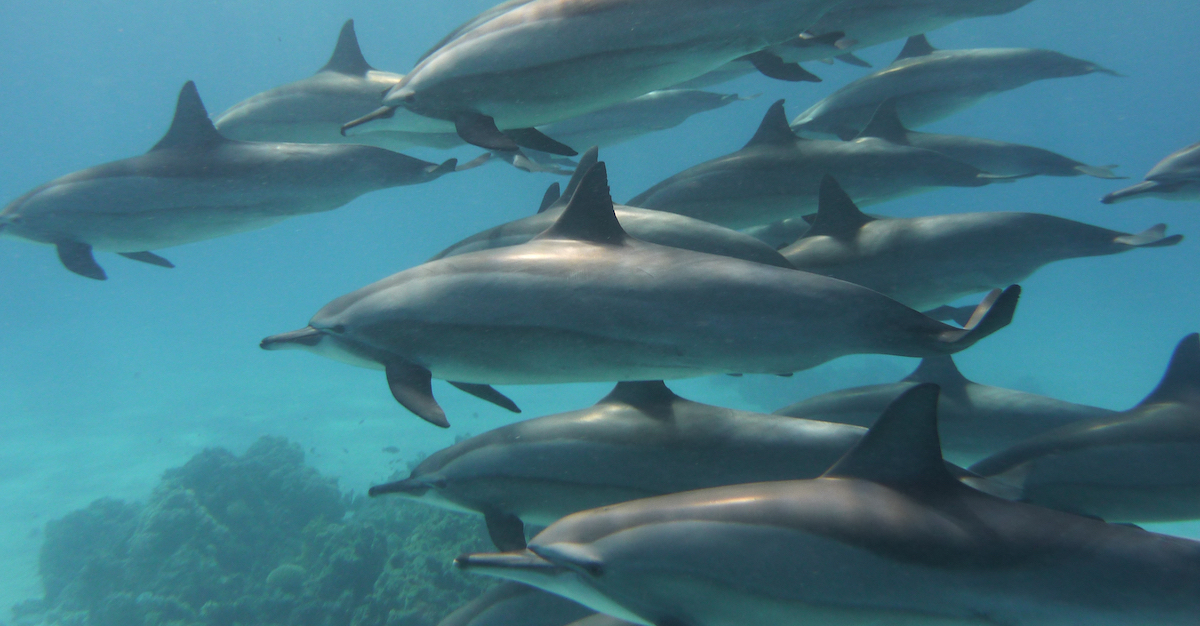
(933, 500)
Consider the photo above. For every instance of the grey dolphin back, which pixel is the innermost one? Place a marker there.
(190, 128)
(347, 56)
(1181, 382)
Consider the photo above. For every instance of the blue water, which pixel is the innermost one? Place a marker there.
(105, 385)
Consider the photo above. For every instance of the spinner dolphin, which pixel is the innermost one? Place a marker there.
(1176, 177)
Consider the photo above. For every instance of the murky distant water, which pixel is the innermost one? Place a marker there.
(105, 385)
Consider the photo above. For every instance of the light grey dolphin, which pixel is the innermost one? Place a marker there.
(1176, 177)
(514, 604)
(1141, 465)
(933, 84)
(659, 227)
(585, 302)
(995, 157)
(777, 175)
(544, 61)
(925, 262)
(974, 420)
(640, 440)
(887, 536)
(195, 184)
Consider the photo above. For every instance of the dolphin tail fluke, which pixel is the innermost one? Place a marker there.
(535, 139)
(78, 258)
(447, 166)
(1129, 193)
(412, 387)
(772, 65)
(489, 394)
(960, 315)
(148, 257)
(1099, 171)
(506, 530)
(1153, 237)
(993, 313)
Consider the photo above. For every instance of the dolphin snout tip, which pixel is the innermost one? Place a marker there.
(305, 337)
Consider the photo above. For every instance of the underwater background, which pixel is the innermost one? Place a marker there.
(104, 385)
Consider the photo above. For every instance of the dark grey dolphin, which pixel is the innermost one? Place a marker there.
(640, 440)
(925, 262)
(1141, 465)
(777, 175)
(195, 184)
(514, 604)
(1176, 177)
(667, 229)
(974, 420)
(933, 84)
(887, 536)
(585, 302)
(994, 157)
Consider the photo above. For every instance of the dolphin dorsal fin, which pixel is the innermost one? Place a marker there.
(550, 198)
(916, 46)
(652, 397)
(589, 215)
(774, 129)
(347, 57)
(586, 161)
(940, 370)
(1181, 382)
(837, 215)
(886, 124)
(191, 127)
(903, 447)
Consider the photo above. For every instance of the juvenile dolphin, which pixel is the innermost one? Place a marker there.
(585, 302)
(777, 175)
(995, 157)
(195, 184)
(514, 604)
(925, 262)
(640, 440)
(543, 61)
(887, 536)
(931, 84)
(659, 227)
(974, 420)
(1176, 177)
(1140, 465)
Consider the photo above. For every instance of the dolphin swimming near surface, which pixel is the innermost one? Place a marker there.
(974, 420)
(585, 302)
(514, 604)
(195, 184)
(1176, 177)
(535, 63)
(931, 84)
(1140, 465)
(886, 536)
(640, 440)
(777, 175)
(925, 262)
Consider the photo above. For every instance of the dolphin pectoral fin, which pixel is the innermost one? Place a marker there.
(1153, 237)
(480, 130)
(772, 65)
(850, 58)
(486, 392)
(412, 387)
(147, 257)
(78, 258)
(1100, 171)
(553, 193)
(535, 139)
(960, 315)
(993, 313)
(506, 530)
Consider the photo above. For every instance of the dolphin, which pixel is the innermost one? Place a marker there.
(931, 84)
(925, 262)
(1176, 177)
(995, 157)
(777, 176)
(659, 227)
(510, 604)
(640, 440)
(886, 536)
(975, 420)
(543, 61)
(1140, 465)
(585, 302)
(195, 184)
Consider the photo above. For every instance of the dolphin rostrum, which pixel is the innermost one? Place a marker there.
(925, 262)
(585, 302)
(195, 184)
(1140, 465)
(886, 536)
(777, 175)
(931, 84)
(1176, 177)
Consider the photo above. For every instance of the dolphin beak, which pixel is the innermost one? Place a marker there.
(519, 565)
(378, 114)
(407, 487)
(305, 337)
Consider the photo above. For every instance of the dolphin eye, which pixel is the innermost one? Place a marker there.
(339, 329)
(16, 219)
(410, 98)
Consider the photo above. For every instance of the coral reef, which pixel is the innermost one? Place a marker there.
(254, 540)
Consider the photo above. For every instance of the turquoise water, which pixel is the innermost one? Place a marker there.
(105, 385)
